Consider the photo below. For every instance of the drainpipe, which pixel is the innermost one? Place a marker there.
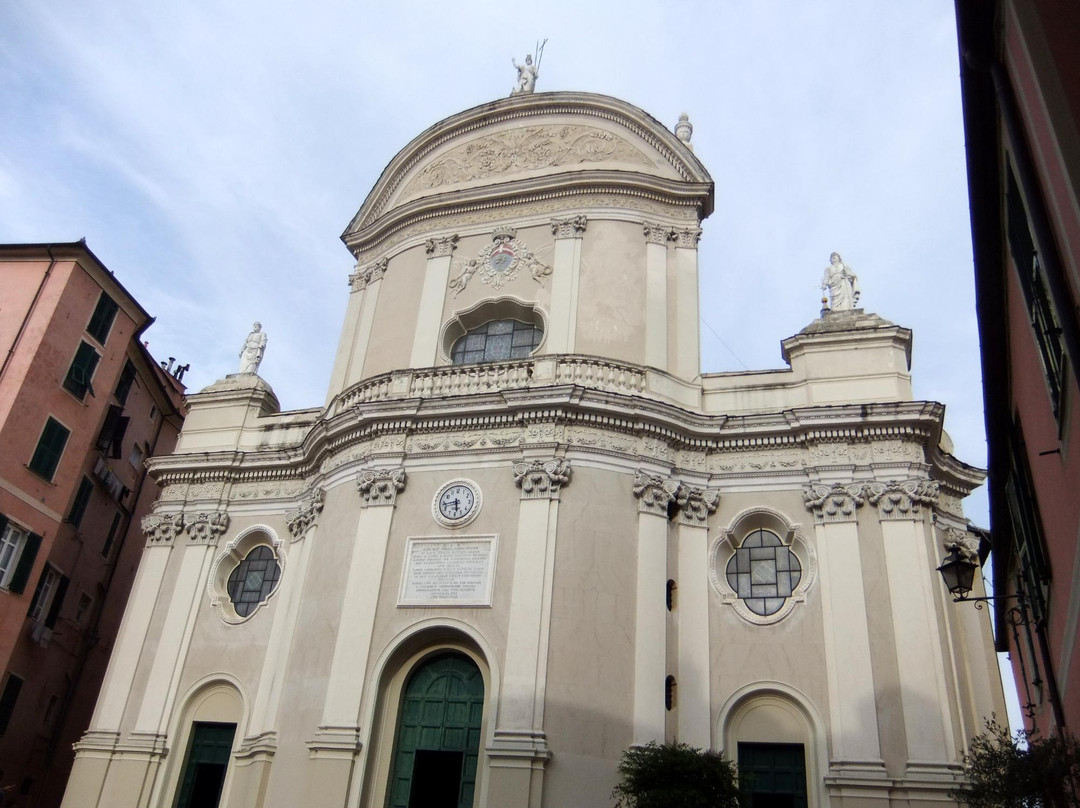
(29, 312)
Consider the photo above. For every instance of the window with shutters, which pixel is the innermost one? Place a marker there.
(82, 499)
(49, 449)
(48, 597)
(79, 375)
(127, 377)
(101, 321)
(110, 537)
(111, 438)
(18, 549)
(7, 700)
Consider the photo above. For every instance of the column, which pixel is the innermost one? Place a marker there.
(519, 749)
(94, 751)
(687, 360)
(694, 702)
(336, 743)
(656, 302)
(566, 274)
(904, 508)
(853, 726)
(432, 297)
(364, 284)
(260, 743)
(655, 495)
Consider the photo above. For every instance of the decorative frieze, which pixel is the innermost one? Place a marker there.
(380, 486)
(655, 494)
(902, 499)
(695, 504)
(542, 479)
(573, 227)
(657, 233)
(688, 238)
(362, 278)
(834, 503)
(205, 527)
(440, 247)
(162, 529)
(306, 513)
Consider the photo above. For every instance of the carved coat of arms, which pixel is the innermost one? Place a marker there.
(499, 262)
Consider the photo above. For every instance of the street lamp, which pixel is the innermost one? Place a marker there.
(959, 574)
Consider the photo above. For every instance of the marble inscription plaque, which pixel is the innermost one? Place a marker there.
(448, 571)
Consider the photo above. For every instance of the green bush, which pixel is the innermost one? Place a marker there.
(675, 775)
(1027, 771)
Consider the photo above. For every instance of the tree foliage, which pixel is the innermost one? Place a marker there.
(675, 775)
(1027, 771)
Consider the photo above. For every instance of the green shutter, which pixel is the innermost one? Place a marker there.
(123, 387)
(101, 322)
(7, 701)
(26, 563)
(82, 499)
(82, 370)
(49, 449)
(57, 601)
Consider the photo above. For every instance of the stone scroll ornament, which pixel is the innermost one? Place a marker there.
(655, 494)
(902, 499)
(205, 527)
(542, 479)
(499, 263)
(162, 528)
(306, 513)
(380, 486)
(834, 503)
(695, 504)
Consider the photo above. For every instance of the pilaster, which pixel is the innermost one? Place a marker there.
(657, 238)
(686, 362)
(364, 284)
(425, 348)
(566, 275)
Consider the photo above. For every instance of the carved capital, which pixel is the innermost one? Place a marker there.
(695, 504)
(542, 479)
(205, 527)
(161, 529)
(902, 499)
(965, 544)
(362, 277)
(657, 233)
(834, 503)
(655, 494)
(687, 239)
(306, 513)
(569, 228)
(440, 247)
(380, 486)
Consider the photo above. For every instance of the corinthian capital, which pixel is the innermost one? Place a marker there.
(306, 513)
(362, 277)
(688, 239)
(440, 247)
(657, 233)
(542, 479)
(380, 486)
(569, 228)
(902, 499)
(833, 503)
(655, 494)
(205, 527)
(695, 504)
(162, 528)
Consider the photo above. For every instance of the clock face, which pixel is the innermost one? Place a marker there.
(457, 502)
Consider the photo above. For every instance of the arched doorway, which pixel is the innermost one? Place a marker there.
(437, 743)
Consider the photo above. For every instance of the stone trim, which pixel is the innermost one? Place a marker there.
(380, 486)
(306, 512)
(542, 479)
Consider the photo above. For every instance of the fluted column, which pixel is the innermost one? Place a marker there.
(655, 496)
(687, 359)
(566, 273)
(904, 508)
(425, 347)
(364, 285)
(337, 741)
(694, 701)
(519, 748)
(656, 294)
(853, 725)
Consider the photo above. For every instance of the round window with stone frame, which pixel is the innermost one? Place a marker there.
(246, 575)
(762, 567)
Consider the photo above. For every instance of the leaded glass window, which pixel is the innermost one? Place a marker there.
(764, 572)
(495, 341)
(253, 580)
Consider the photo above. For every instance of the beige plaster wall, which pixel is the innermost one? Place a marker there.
(395, 312)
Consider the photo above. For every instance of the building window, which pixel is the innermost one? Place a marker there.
(153, 413)
(50, 710)
(772, 775)
(7, 701)
(123, 387)
(110, 537)
(253, 580)
(18, 549)
(82, 608)
(138, 454)
(206, 764)
(496, 341)
(82, 499)
(77, 381)
(763, 572)
(49, 449)
(111, 438)
(48, 597)
(102, 320)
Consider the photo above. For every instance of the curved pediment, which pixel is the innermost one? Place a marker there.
(531, 145)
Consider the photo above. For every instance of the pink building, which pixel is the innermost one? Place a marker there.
(82, 405)
(1020, 78)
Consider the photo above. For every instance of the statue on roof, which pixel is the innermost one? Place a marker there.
(842, 283)
(252, 353)
(526, 80)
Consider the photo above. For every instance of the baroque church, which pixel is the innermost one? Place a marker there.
(525, 532)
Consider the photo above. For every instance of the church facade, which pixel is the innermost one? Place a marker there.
(525, 532)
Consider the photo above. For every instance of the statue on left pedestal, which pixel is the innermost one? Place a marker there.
(252, 353)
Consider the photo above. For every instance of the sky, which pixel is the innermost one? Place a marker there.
(212, 154)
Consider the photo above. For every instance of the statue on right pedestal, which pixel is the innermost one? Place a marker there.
(842, 283)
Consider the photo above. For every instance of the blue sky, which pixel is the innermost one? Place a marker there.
(212, 154)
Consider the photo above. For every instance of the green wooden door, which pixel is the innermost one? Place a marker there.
(207, 761)
(437, 744)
